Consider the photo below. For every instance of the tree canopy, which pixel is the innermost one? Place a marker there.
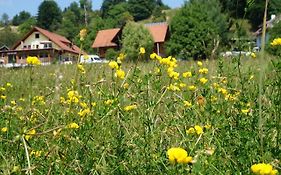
(49, 15)
(197, 29)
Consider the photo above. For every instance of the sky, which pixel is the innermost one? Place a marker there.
(13, 7)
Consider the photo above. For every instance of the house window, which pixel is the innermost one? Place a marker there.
(37, 46)
(37, 35)
(24, 46)
(29, 46)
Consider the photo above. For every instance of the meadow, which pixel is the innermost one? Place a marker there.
(158, 117)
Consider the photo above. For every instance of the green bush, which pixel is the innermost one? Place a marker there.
(197, 30)
(134, 37)
(111, 54)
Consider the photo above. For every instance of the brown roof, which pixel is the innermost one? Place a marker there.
(158, 31)
(61, 41)
(105, 38)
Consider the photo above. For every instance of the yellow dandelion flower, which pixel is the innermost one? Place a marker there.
(178, 155)
(199, 63)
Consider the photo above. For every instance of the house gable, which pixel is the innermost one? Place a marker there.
(36, 40)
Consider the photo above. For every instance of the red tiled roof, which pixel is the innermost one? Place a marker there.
(61, 41)
(158, 31)
(105, 38)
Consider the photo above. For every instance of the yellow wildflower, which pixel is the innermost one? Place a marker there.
(142, 50)
(199, 63)
(198, 129)
(36, 153)
(13, 102)
(182, 85)
(121, 57)
(130, 107)
(81, 68)
(73, 97)
(4, 129)
(187, 104)
(2, 89)
(33, 60)
(126, 85)
(109, 102)
(72, 126)
(82, 34)
(245, 111)
(203, 80)
(94, 104)
(173, 87)
(84, 112)
(120, 74)
(113, 65)
(187, 74)
(178, 155)
(29, 134)
(153, 56)
(192, 88)
(253, 55)
(203, 71)
(9, 84)
(276, 42)
(263, 169)
(190, 131)
(3, 97)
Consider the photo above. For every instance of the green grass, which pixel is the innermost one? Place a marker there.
(110, 140)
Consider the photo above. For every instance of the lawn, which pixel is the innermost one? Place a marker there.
(97, 119)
